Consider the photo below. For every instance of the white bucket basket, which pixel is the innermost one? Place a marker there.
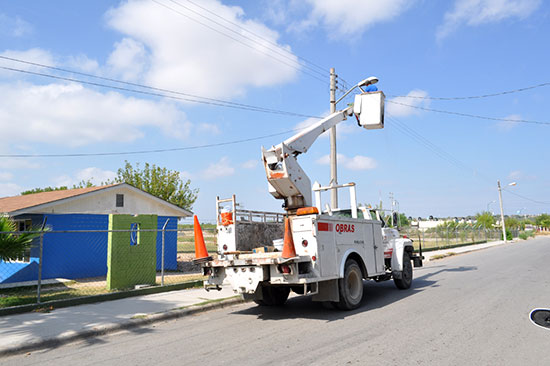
(369, 109)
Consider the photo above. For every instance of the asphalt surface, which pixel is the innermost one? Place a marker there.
(470, 309)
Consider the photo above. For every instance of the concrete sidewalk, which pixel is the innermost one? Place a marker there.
(437, 254)
(37, 330)
(32, 331)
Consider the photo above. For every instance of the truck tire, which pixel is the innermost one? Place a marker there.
(405, 281)
(350, 287)
(273, 296)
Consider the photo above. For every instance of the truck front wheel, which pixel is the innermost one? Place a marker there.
(405, 281)
(273, 295)
(350, 287)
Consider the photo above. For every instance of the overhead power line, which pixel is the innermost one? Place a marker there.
(526, 198)
(313, 66)
(469, 115)
(474, 96)
(136, 152)
(295, 65)
(419, 138)
(188, 97)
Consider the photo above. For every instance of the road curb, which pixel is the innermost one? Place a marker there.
(73, 336)
(455, 253)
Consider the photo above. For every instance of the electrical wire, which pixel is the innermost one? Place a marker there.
(238, 40)
(136, 152)
(202, 100)
(314, 67)
(449, 157)
(526, 198)
(469, 115)
(474, 96)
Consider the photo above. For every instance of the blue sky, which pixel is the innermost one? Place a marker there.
(435, 164)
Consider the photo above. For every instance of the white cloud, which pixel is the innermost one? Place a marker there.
(16, 27)
(71, 115)
(83, 63)
(93, 174)
(17, 163)
(6, 176)
(505, 126)
(351, 17)
(208, 128)
(250, 164)
(358, 162)
(220, 169)
(10, 189)
(477, 12)
(184, 55)
(399, 106)
(185, 175)
(36, 55)
(520, 175)
(129, 59)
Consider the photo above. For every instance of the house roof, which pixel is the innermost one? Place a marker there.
(18, 204)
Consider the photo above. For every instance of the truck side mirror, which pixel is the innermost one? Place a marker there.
(395, 219)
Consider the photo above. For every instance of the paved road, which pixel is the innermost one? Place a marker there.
(470, 309)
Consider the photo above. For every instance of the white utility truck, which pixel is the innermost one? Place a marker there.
(331, 249)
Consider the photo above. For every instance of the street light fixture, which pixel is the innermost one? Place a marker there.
(333, 169)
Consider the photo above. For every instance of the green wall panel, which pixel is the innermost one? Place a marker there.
(131, 256)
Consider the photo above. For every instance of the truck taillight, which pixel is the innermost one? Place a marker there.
(224, 247)
(285, 268)
(304, 243)
(388, 253)
(314, 258)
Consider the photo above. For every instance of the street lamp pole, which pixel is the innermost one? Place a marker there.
(333, 171)
(333, 162)
(501, 211)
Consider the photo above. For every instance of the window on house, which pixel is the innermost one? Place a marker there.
(119, 200)
(24, 225)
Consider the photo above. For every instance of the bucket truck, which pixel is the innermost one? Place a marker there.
(327, 253)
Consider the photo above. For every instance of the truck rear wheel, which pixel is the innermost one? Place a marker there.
(350, 287)
(405, 281)
(273, 296)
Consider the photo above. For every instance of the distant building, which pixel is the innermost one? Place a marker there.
(80, 255)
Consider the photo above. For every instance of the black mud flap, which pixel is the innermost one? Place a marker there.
(417, 260)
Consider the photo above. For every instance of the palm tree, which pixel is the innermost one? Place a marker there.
(12, 245)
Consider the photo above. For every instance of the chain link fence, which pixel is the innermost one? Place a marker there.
(444, 238)
(67, 264)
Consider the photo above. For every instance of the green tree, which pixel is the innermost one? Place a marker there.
(81, 184)
(403, 220)
(160, 182)
(543, 220)
(512, 223)
(13, 246)
(485, 219)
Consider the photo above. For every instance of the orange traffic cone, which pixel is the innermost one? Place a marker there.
(201, 254)
(288, 247)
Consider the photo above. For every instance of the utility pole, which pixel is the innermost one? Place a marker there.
(333, 163)
(501, 211)
(391, 206)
